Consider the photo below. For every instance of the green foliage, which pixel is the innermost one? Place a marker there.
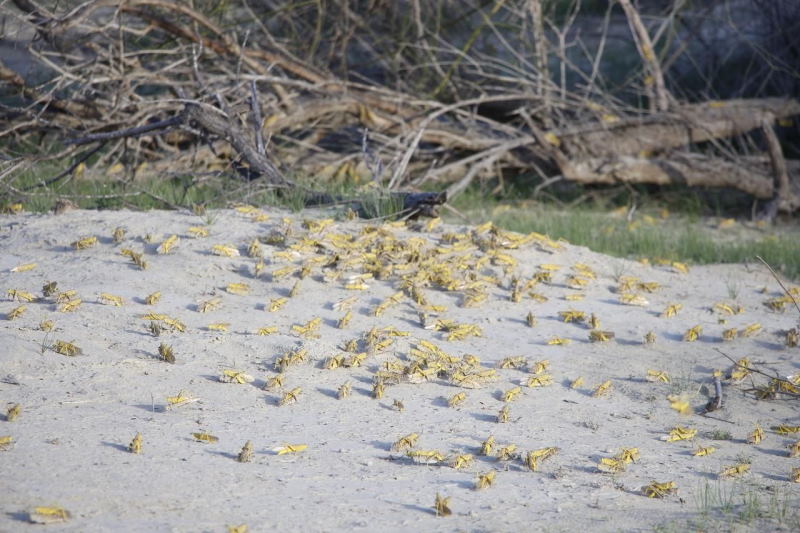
(679, 237)
(377, 205)
(31, 188)
(720, 434)
(727, 506)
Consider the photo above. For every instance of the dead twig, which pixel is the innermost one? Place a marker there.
(256, 110)
(75, 164)
(785, 290)
(161, 126)
(654, 81)
(775, 377)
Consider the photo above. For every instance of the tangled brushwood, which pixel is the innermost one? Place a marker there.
(393, 94)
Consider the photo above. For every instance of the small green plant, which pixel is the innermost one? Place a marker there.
(673, 526)
(618, 270)
(717, 496)
(720, 434)
(592, 425)
(208, 216)
(294, 199)
(744, 459)
(751, 507)
(733, 506)
(782, 509)
(379, 206)
(45, 345)
(733, 287)
(684, 384)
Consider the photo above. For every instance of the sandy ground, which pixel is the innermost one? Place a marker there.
(79, 414)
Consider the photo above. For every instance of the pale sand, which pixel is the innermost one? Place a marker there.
(80, 413)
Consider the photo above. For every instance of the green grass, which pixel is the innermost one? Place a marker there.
(27, 188)
(735, 506)
(730, 506)
(180, 191)
(683, 236)
(720, 434)
(714, 497)
(678, 237)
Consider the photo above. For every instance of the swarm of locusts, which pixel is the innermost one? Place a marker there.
(476, 267)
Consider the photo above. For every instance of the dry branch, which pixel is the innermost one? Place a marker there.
(540, 40)
(693, 170)
(654, 81)
(106, 86)
(646, 151)
(686, 125)
(782, 195)
(216, 123)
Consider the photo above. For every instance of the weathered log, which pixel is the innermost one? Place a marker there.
(422, 203)
(648, 150)
(688, 124)
(682, 168)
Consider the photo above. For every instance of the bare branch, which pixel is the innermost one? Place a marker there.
(654, 77)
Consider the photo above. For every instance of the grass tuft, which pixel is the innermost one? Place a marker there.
(676, 237)
(684, 237)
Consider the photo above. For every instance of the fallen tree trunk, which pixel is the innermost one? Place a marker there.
(688, 124)
(648, 150)
(683, 168)
(678, 169)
